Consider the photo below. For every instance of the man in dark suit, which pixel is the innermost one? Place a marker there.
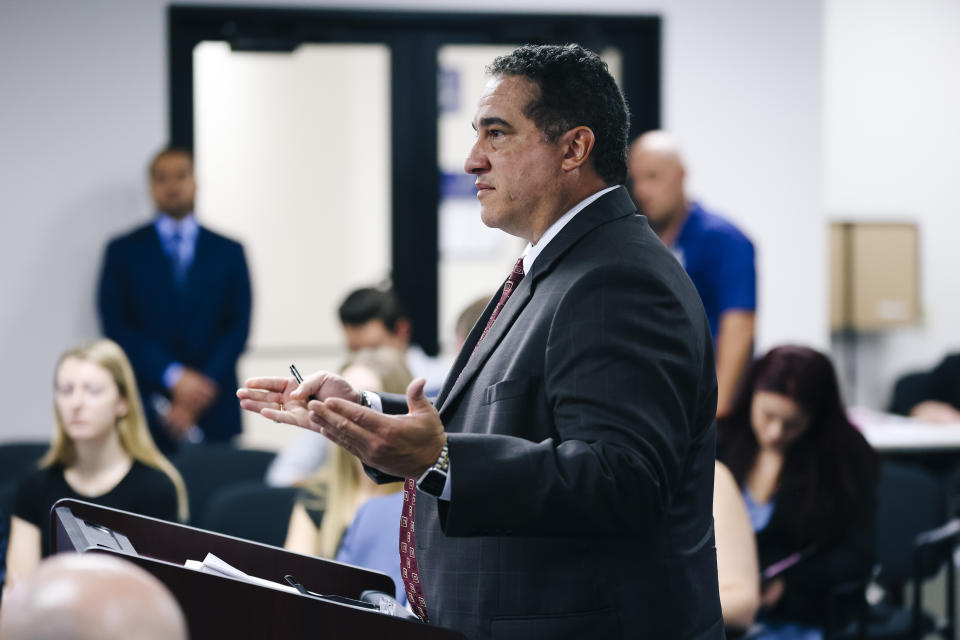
(565, 479)
(176, 297)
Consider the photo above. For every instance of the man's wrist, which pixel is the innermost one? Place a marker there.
(434, 479)
(371, 400)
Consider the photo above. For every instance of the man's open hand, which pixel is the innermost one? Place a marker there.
(283, 400)
(402, 445)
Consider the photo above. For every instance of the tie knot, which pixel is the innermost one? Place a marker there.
(517, 272)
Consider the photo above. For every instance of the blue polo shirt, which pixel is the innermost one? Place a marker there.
(720, 261)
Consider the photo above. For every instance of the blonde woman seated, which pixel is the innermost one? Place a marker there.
(737, 566)
(101, 452)
(343, 514)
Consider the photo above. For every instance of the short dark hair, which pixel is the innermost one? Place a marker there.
(363, 305)
(576, 89)
(169, 151)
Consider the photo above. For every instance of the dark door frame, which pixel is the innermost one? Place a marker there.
(413, 38)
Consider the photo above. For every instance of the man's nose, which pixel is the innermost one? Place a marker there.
(476, 162)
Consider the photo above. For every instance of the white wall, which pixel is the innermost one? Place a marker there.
(84, 105)
(892, 152)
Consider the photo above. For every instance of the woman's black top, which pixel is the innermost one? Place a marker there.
(144, 490)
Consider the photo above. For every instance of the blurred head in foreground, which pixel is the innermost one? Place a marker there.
(91, 597)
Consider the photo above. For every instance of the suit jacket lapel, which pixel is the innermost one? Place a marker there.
(610, 206)
(198, 266)
(476, 357)
(467, 349)
(160, 263)
(613, 205)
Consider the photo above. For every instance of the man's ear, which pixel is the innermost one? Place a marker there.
(577, 145)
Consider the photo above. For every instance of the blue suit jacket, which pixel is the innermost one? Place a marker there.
(203, 324)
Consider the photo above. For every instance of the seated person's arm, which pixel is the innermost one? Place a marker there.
(737, 569)
(734, 347)
(942, 398)
(301, 532)
(23, 550)
(935, 411)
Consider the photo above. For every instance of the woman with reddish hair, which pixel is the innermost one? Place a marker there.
(808, 478)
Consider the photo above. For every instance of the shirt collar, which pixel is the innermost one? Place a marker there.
(167, 226)
(533, 250)
(689, 223)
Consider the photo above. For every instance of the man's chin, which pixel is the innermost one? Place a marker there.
(488, 218)
(177, 212)
(657, 223)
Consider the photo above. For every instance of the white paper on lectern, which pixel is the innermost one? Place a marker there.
(215, 566)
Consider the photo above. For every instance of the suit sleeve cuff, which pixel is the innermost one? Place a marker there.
(172, 375)
(445, 495)
(376, 403)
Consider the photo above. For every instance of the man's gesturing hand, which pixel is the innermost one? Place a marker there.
(403, 445)
(283, 400)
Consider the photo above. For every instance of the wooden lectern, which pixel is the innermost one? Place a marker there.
(221, 607)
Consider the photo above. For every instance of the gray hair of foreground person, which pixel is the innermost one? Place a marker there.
(90, 597)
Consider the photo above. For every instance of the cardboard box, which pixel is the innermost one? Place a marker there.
(874, 280)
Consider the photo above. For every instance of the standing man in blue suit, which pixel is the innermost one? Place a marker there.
(177, 297)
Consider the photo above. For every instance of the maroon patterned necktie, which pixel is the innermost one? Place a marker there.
(408, 551)
(515, 277)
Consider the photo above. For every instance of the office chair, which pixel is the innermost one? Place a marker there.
(252, 511)
(208, 468)
(16, 459)
(913, 545)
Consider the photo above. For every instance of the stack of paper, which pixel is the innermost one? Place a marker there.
(214, 565)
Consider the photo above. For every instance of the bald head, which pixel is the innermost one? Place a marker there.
(657, 174)
(87, 597)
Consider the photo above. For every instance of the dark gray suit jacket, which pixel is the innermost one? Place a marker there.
(581, 437)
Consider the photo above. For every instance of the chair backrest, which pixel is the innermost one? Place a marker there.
(909, 502)
(17, 457)
(252, 511)
(207, 469)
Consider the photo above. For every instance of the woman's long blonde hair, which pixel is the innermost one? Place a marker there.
(132, 428)
(338, 482)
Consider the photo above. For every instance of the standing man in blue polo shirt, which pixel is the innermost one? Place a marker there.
(718, 257)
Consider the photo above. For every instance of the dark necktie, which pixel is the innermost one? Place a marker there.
(515, 277)
(408, 552)
(174, 250)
